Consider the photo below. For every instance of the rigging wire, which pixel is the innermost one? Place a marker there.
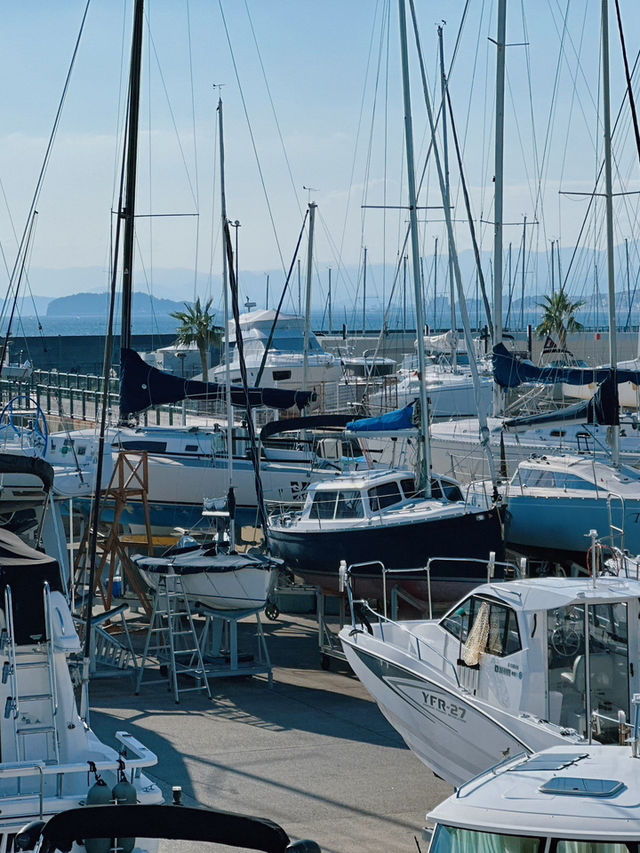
(43, 170)
(195, 152)
(251, 135)
(273, 109)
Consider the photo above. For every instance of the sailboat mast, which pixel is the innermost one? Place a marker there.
(227, 350)
(424, 478)
(307, 312)
(606, 109)
(129, 211)
(498, 396)
(453, 323)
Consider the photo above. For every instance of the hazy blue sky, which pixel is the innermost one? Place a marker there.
(332, 71)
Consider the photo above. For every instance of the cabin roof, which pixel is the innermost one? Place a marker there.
(360, 480)
(535, 594)
(509, 798)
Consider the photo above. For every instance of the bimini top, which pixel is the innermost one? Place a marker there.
(590, 793)
(535, 594)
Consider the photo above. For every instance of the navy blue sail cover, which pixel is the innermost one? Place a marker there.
(509, 371)
(142, 386)
(603, 408)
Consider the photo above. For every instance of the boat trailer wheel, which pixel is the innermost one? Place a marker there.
(272, 611)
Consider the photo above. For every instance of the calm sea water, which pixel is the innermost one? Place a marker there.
(87, 325)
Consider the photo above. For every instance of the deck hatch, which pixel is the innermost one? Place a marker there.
(577, 787)
(554, 761)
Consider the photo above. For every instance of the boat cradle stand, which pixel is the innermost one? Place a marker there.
(218, 641)
(328, 642)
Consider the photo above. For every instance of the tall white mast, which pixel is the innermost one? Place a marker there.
(606, 109)
(307, 312)
(498, 395)
(424, 477)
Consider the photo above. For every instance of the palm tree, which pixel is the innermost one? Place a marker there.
(559, 317)
(198, 328)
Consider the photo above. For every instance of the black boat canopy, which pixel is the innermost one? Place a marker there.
(13, 463)
(163, 821)
(142, 386)
(509, 371)
(311, 422)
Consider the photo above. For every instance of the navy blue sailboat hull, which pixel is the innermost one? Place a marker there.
(469, 537)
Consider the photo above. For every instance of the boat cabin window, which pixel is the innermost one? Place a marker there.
(384, 495)
(343, 504)
(191, 448)
(445, 490)
(409, 487)
(280, 375)
(453, 839)
(323, 506)
(491, 626)
(150, 446)
(584, 846)
(349, 505)
(598, 682)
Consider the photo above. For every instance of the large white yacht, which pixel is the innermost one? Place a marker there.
(284, 362)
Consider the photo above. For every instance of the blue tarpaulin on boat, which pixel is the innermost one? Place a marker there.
(400, 419)
(509, 371)
(142, 386)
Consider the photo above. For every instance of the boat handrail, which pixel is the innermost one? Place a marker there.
(491, 563)
(143, 758)
(364, 604)
(483, 777)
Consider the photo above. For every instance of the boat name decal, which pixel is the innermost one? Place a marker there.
(437, 703)
(511, 670)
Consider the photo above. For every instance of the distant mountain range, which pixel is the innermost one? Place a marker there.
(97, 305)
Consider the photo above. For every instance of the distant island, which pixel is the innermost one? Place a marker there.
(97, 305)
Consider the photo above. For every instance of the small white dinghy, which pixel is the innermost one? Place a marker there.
(213, 576)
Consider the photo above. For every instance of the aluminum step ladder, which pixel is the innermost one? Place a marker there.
(172, 640)
(33, 712)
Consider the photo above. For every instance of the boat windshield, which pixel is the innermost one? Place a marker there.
(452, 839)
(592, 679)
(346, 503)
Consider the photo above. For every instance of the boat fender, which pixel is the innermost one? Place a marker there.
(124, 792)
(99, 794)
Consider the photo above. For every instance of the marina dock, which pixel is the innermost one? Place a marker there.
(313, 752)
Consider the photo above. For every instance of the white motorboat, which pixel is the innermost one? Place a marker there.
(580, 800)
(213, 576)
(554, 501)
(50, 756)
(283, 355)
(516, 666)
